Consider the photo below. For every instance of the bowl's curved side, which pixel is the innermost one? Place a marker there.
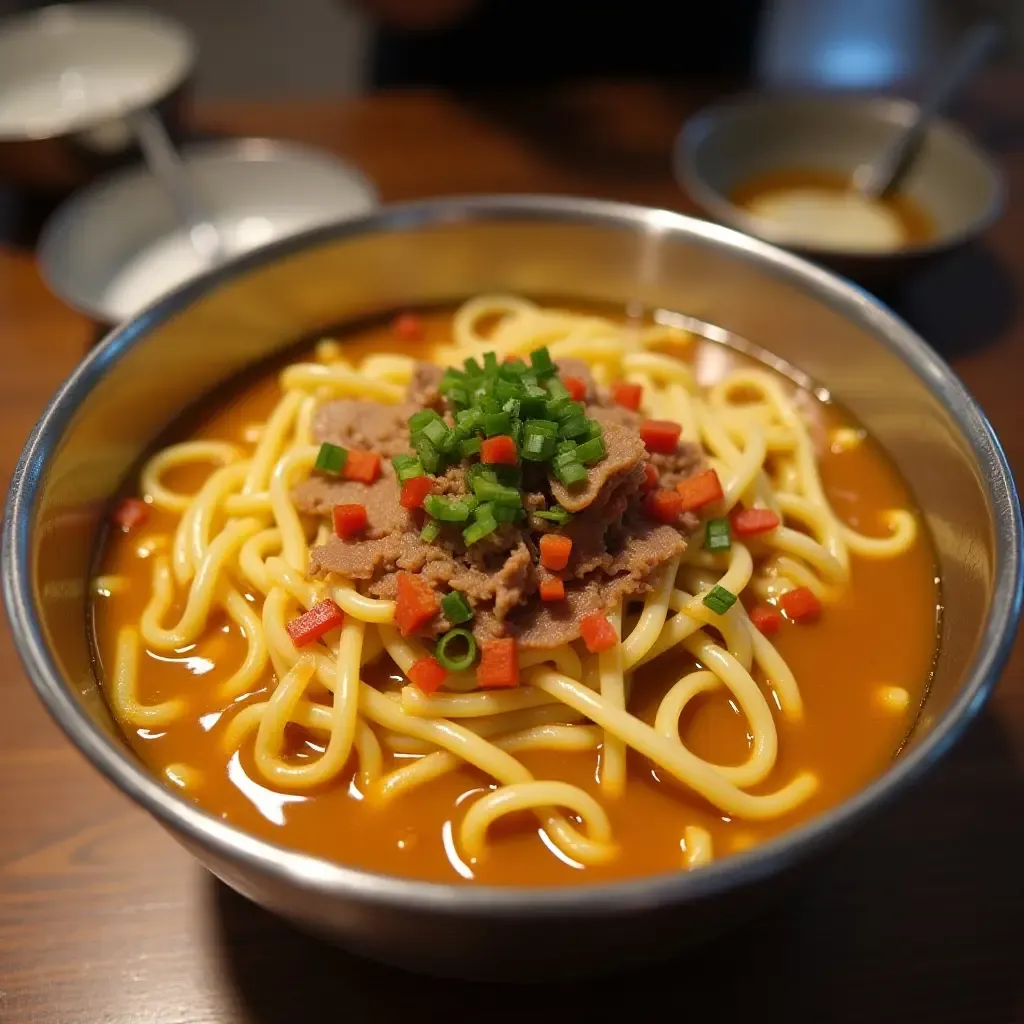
(143, 374)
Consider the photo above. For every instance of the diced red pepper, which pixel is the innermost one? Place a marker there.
(663, 506)
(427, 674)
(552, 589)
(363, 467)
(349, 520)
(499, 451)
(416, 603)
(414, 491)
(130, 514)
(408, 327)
(650, 477)
(800, 605)
(660, 435)
(766, 618)
(699, 490)
(628, 395)
(577, 388)
(597, 632)
(555, 549)
(748, 522)
(499, 664)
(320, 619)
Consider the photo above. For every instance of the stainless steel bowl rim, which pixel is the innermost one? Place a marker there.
(87, 122)
(327, 878)
(895, 110)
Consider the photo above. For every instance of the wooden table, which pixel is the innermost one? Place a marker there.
(920, 918)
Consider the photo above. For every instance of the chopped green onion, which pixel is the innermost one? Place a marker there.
(591, 451)
(418, 420)
(559, 408)
(717, 536)
(556, 389)
(472, 367)
(451, 378)
(538, 446)
(488, 405)
(448, 510)
(540, 360)
(593, 429)
(437, 433)
(497, 423)
(504, 513)
(450, 445)
(506, 389)
(571, 473)
(513, 368)
(456, 608)
(458, 396)
(470, 447)
(430, 532)
(512, 408)
(485, 524)
(469, 419)
(575, 426)
(549, 427)
(452, 660)
(555, 514)
(490, 362)
(719, 600)
(564, 447)
(407, 467)
(490, 490)
(430, 457)
(331, 458)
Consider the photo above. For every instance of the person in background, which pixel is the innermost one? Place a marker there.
(466, 45)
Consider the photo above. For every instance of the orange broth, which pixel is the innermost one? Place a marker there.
(881, 632)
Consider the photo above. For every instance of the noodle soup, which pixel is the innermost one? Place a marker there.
(609, 602)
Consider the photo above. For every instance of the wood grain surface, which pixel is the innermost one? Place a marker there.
(920, 918)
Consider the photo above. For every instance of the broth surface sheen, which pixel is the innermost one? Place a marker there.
(880, 633)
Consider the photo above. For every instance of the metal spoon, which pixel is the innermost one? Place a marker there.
(165, 165)
(879, 177)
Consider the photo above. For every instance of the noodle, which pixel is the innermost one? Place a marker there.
(240, 551)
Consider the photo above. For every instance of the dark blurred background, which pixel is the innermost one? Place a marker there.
(302, 49)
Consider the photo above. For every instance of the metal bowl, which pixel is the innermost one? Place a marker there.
(69, 75)
(728, 145)
(116, 246)
(139, 379)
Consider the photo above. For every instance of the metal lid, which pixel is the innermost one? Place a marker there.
(117, 246)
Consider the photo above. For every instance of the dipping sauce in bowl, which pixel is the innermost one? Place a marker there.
(820, 208)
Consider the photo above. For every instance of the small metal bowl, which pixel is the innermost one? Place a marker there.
(727, 146)
(68, 76)
(127, 390)
(117, 246)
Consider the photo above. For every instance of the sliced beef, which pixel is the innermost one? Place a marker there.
(423, 389)
(615, 549)
(385, 515)
(545, 625)
(673, 467)
(625, 455)
(367, 425)
(643, 547)
(359, 560)
(615, 415)
(577, 368)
